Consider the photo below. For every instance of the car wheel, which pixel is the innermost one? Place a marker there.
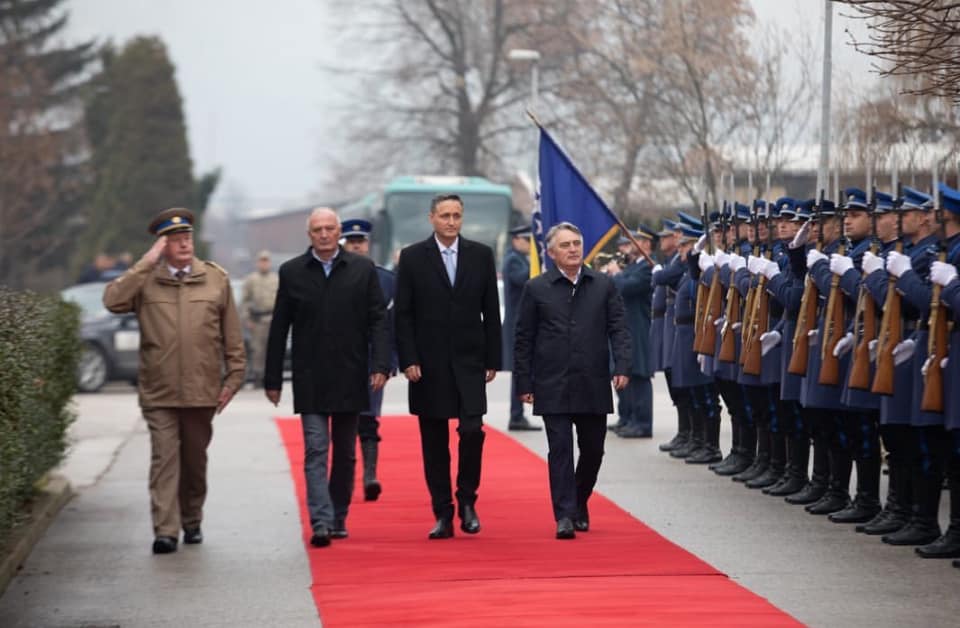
(92, 369)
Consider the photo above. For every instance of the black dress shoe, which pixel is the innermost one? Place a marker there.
(705, 455)
(581, 522)
(917, 532)
(674, 443)
(192, 536)
(523, 425)
(857, 512)
(164, 545)
(887, 522)
(469, 522)
(565, 529)
(321, 537)
(443, 529)
(789, 486)
(766, 479)
(807, 495)
(372, 491)
(339, 529)
(831, 502)
(632, 431)
(947, 546)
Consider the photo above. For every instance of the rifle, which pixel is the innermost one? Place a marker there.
(891, 325)
(932, 400)
(833, 323)
(702, 296)
(708, 331)
(865, 319)
(808, 310)
(760, 318)
(728, 337)
(748, 308)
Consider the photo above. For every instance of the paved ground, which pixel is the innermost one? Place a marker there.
(94, 568)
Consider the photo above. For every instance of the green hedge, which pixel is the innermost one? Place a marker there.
(39, 351)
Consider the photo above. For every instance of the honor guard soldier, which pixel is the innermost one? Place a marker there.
(256, 308)
(515, 272)
(191, 364)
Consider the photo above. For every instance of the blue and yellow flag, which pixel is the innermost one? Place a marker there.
(565, 196)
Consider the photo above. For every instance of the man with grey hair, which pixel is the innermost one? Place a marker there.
(569, 318)
(331, 299)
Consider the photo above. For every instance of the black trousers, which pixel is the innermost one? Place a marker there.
(435, 445)
(571, 487)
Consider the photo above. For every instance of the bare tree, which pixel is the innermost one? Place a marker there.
(917, 39)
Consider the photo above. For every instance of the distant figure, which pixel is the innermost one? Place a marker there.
(356, 239)
(448, 341)
(103, 268)
(256, 306)
(516, 272)
(332, 300)
(191, 364)
(570, 318)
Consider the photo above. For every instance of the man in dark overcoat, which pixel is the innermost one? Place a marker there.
(333, 302)
(516, 272)
(448, 342)
(570, 317)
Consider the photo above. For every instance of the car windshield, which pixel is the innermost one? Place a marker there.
(89, 296)
(486, 219)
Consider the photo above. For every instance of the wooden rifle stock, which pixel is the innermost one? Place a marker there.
(805, 322)
(728, 337)
(833, 328)
(708, 331)
(759, 325)
(866, 326)
(890, 335)
(932, 400)
(749, 311)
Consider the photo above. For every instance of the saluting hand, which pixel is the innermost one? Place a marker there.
(156, 251)
(620, 382)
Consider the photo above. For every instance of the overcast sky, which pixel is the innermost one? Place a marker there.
(258, 102)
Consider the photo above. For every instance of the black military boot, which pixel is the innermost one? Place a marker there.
(371, 486)
(746, 452)
(897, 511)
(778, 461)
(923, 527)
(837, 496)
(683, 429)
(710, 452)
(866, 505)
(694, 438)
(948, 545)
(734, 451)
(795, 473)
(762, 459)
(817, 486)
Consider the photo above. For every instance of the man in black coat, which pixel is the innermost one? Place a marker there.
(332, 300)
(516, 272)
(448, 341)
(569, 316)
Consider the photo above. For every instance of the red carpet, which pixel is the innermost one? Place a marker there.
(514, 573)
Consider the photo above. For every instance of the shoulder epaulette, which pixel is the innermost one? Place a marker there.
(217, 266)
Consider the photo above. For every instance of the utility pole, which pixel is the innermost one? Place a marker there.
(823, 172)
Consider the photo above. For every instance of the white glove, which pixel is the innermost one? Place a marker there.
(769, 340)
(871, 263)
(705, 261)
(657, 269)
(754, 264)
(720, 321)
(721, 259)
(872, 345)
(814, 256)
(903, 351)
(701, 244)
(843, 345)
(942, 273)
(803, 235)
(943, 362)
(770, 269)
(737, 262)
(840, 264)
(700, 360)
(898, 263)
(737, 326)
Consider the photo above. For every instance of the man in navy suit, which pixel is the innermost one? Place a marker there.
(448, 341)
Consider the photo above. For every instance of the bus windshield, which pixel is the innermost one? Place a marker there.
(486, 219)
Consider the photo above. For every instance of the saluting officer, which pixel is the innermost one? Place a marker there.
(191, 364)
(259, 293)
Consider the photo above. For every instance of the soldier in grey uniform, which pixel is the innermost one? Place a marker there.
(256, 308)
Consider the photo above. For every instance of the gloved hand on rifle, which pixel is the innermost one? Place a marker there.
(843, 345)
(898, 263)
(701, 243)
(720, 321)
(840, 264)
(802, 237)
(705, 261)
(926, 365)
(737, 262)
(942, 273)
(872, 346)
(754, 264)
(903, 351)
(721, 259)
(814, 256)
(769, 340)
(871, 263)
(770, 269)
(656, 269)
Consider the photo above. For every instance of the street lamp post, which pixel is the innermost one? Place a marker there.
(533, 57)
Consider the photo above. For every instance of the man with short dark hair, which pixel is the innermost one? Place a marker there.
(448, 341)
(569, 318)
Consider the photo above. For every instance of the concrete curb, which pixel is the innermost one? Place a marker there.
(53, 496)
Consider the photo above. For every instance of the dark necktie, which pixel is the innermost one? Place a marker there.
(179, 275)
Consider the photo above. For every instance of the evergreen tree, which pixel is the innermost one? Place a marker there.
(141, 159)
(42, 146)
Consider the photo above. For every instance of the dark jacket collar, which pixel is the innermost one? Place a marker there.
(553, 274)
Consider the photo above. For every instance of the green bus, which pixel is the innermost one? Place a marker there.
(399, 214)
